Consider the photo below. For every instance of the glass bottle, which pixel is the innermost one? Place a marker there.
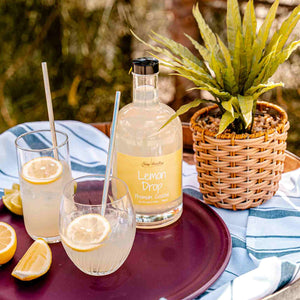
(148, 158)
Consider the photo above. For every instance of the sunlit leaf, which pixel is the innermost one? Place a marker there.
(228, 106)
(266, 87)
(226, 120)
(228, 73)
(233, 21)
(189, 73)
(261, 91)
(282, 57)
(285, 30)
(266, 65)
(179, 50)
(246, 105)
(236, 61)
(261, 39)
(249, 32)
(207, 35)
(183, 109)
(201, 49)
(217, 66)
(224, 96)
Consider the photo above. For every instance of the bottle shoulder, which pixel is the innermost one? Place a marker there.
(158, 111)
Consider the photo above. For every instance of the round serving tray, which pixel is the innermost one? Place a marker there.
(176, 262)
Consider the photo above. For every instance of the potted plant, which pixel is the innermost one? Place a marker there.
(239, 142)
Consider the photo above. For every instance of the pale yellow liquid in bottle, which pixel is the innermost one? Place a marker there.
(139, 135)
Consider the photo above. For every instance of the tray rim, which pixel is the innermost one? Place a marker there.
(226, 260)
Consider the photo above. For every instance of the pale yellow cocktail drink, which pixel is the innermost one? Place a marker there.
(97, 241)
(43, 174)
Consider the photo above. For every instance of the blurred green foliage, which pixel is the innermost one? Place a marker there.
(87, 47)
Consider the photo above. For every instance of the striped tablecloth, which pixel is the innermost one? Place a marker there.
(265, 240)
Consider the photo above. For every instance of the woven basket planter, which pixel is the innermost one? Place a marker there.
(239, 171)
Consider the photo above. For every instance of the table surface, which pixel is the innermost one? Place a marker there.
(292, 162)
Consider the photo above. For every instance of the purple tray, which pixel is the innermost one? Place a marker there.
(175, 262)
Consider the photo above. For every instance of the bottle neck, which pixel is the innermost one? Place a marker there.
(145, 89)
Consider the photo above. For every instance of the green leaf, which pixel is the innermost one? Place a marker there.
(217, 66)
(207, 35)
(282, 57)
(200, 78)
(246, 105)
(266, 87)
(183, 109)
(249, 32)
(228, 73)
(228, 106)
(224, 96)
(260, 41)
(236, 62)
(233, 20)
(158, 49)
(179, 50)
(265, 65)
(262, 70)
(285, 30)
(232, 105)
(226, 120)
(201, 49)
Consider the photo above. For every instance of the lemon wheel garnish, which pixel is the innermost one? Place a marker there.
(12, 199)
(8, 242)
(87, 232)
(42, 170)
(35, 262)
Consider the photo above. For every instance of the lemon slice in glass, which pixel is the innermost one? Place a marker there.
(8, 242)
(87, 232)
(42, 170)
(35, 262)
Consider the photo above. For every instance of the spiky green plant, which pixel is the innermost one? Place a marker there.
(236, 74)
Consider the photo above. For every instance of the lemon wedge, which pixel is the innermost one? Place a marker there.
(87, 232)
(12, 199)
(42, 170)
(8, 242)
(35, 262)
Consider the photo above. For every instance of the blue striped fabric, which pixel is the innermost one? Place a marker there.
(265, 240)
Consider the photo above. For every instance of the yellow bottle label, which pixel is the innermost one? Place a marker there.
(151, 180)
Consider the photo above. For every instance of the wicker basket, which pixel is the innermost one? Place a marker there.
(239, 171)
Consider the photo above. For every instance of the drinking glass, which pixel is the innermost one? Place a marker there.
(43, 172)
(81, 209)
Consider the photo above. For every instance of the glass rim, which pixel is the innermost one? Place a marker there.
(97, 176)
(42, 149)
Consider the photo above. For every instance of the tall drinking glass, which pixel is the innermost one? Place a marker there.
(97, 238)
(43, 173)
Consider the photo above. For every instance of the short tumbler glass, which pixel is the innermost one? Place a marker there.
(43, 172)
(79, 212)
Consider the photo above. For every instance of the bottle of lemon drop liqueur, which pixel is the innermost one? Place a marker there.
(148, 158)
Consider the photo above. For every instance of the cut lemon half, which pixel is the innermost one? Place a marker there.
(13, 203)
(87, 232)
(12, 199)
(42, 170)
(8, 243)
(15, 188)
(35, 262)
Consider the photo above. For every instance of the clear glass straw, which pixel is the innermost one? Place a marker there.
(49, 107)
(110, 151)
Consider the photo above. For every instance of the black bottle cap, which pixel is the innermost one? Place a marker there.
(145, 65)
